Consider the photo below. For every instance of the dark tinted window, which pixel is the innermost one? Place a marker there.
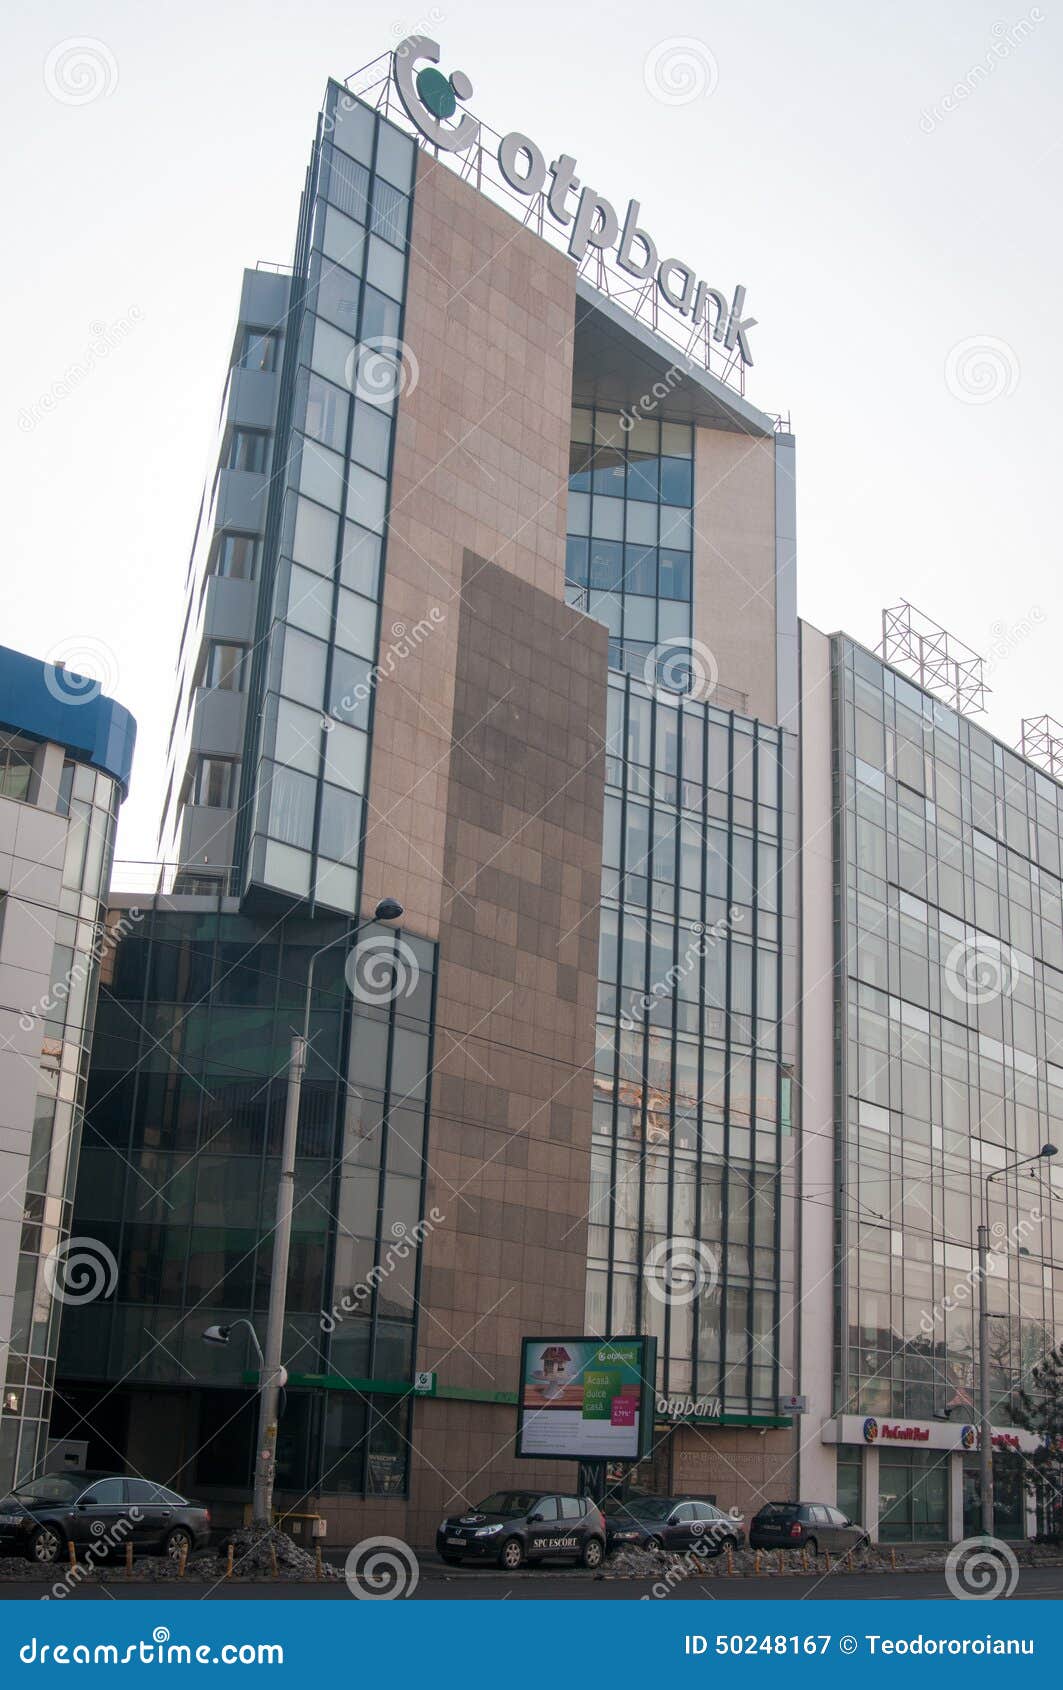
(819, 1516)
(54, 1487)
(546, 1508)
(513, 1503)
(836, 1517)
(686, 1511)
(571, 1508)
(144, 1491)
(107, 1493)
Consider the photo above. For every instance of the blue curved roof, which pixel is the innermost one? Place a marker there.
(53, 703)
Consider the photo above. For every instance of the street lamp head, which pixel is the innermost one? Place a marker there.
(217, 1334)
(388, 909)
(1047, 1150)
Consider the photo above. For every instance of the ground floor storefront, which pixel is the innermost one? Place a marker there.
(734, 1464)
(912, 1481)
(354, 1464)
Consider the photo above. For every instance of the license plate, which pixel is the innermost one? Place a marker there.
(455, 1540)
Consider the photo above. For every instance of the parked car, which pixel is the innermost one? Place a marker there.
(805, 1525)
(669, 1522)
(512, 1526)
(106, 1510)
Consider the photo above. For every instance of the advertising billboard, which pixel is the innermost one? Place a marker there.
(586, 1399)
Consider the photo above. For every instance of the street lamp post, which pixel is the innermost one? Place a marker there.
(272, 1374)
(985, 1429)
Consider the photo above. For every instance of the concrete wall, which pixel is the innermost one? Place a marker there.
(734, 563)
(816, 1470)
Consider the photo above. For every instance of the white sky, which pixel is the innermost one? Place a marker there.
(873, 240)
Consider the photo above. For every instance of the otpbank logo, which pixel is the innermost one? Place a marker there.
(431, 102)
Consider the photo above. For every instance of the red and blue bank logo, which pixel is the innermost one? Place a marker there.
(967, 1437)
(870, 1429)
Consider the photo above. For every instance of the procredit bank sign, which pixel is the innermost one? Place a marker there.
(929, 1434)
(431, 102)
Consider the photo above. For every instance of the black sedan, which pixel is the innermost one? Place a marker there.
(101, 1511)
(513, 1526)
(673, 1523)
(815, 1526)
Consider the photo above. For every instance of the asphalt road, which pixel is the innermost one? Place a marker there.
(1040, 1584)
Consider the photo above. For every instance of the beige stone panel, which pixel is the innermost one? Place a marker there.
(734, 563)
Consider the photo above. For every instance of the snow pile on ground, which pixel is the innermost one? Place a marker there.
(254, 1551)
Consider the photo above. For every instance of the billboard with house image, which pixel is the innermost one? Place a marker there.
(587, 1399)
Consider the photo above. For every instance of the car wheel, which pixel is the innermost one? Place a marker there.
(45, 1546)
(655, 1545)
(810, 1543)
(174, 1542)
(511, 1554)
(864, 1543)
(725, 1544)
(593, 1551)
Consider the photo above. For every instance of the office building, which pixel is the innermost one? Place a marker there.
(491, 609)
(65, 757)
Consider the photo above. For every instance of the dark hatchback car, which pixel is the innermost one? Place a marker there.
(105, 1510)
(673, 1523)
(805, 1525)
(513, 1526)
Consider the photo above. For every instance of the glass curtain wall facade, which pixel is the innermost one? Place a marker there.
(630, 527)
(179, 1175)
(695, 1051)
(90, 799)
(306, 762)
(950, 939)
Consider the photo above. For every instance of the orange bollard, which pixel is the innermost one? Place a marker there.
(317, 1561)
(229, 1566)
(730, 1562)
(182, 1561)
(72, 1552)
(129, 1560)
(804, 1559)
(273, 1557)
(756, 1561)
(893, 1559)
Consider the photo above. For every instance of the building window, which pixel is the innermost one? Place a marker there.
(16, 769)
(237, 557)
(225, 667)
(260, 350)
(215, 781)
(913, 1496)
(247, 450)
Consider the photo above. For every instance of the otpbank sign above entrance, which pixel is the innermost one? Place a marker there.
(431, 101)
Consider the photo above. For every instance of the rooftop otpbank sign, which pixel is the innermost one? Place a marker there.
(431, 102)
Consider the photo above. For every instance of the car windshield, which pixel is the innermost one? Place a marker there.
(511, 1503)
(54, 1487)
(646, 1508)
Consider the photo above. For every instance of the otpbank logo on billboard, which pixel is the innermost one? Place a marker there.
(431, 102)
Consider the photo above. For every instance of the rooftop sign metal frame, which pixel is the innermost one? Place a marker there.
(707, 331)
